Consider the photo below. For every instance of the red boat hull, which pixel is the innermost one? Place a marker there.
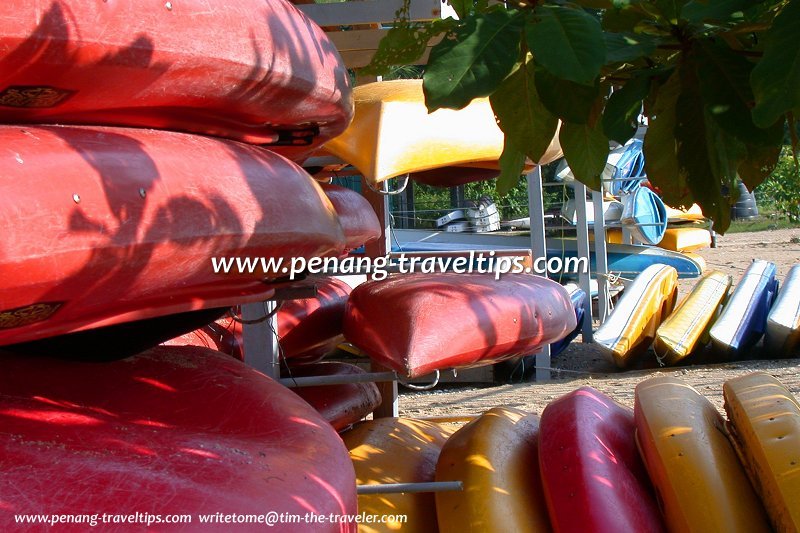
(359, 221)
(257, 71)
(170, 431)
(308, 328)
(108, 225)
(341, 405)
(593, 477)
(419, 323)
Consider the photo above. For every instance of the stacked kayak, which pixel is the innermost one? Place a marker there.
(251, 71)
(308, 328)
(418, 323)
(578, 298)
(592, 475)
(632, 325)
(700, 483)
(744, 318)
(645, 215)
(783, 321)
(765, 427)
(686, 329)
(393, 134)
(170, 431)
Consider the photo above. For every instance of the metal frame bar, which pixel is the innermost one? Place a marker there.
(584, 278)
(538, 249)
(409, 488)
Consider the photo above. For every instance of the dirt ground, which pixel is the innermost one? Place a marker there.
(581, 364)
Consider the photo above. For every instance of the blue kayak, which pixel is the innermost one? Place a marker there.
(744, 318)
(645, 216)
(578, 298)
(625, 260)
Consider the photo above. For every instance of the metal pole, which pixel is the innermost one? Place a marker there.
(601, 256)
(408, 488)
(538, 249)
(584, 278)
(260, 338)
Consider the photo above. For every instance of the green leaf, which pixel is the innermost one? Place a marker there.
(521, 114)
(714, 10)
(725, 85)
(567, 42)
(566, 100)
(586, 151)
(461, 7)
(670, 9)
(512, 162)
(776, 78)
(620, 116)
(628, 47)
(660, 148)
(697, 153)
(624, 18)
(404, 44)
(473, 60)
(759, 164)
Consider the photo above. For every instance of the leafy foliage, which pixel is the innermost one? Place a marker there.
(782, 188)
(717, 80)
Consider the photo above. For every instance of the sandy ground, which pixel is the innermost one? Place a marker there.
(581, 364)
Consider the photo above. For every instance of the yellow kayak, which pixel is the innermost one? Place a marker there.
(686, 329)
(692, 214)
(397, 450)
(765, 429)
(631, 327)
(496, 458)
(677, 239)
(392, 133)
(700, 483)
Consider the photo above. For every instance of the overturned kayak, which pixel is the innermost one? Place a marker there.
(397, 450)
(592, 475)
(631, 327)
(645, 215)
(356, 216)
(393, 134)
(783, 321)
(744, 318)
(578, 298)
(125, 224)
(495, 457)
(418, 323)
(170, 431)
(341, 405)
(700, 483)
(765, 429)
(308, 328)
(686, 329)
(252, 71)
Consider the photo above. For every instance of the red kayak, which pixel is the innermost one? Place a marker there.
(593, 477)
(170, 431)
(257, 71)
(341, 405)
(108, 225)
(418, 323)
(357, 217)
(308, 328)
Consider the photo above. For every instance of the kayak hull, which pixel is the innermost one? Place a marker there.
(252, 71)
(695, 470)
(358, 220)
(765, 428)
(406, 322)
(496, 458)
(783, 321)
(341, 405)
(630, 329)
(686, 329)
(592, 475)
(124, 224)
(182, 430)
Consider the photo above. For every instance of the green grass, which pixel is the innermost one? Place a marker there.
(761, 224)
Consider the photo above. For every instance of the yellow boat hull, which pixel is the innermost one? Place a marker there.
(679, 239)
(392, 133)
(765, 429)
(495, 456)
(700, 483)
(631, 328)
(397, 450)
(686, 329)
